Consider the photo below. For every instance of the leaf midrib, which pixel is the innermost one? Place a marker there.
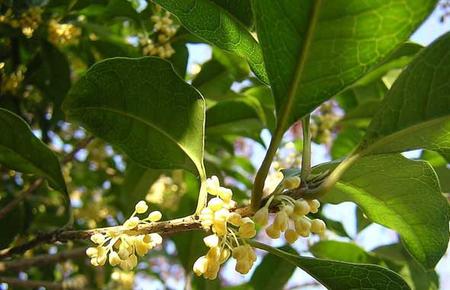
(155, 127)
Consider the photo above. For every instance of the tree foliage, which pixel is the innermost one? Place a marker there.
(102, 113)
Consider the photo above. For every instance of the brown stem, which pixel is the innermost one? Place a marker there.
(188, 223)
(29, 284)
(20, 265)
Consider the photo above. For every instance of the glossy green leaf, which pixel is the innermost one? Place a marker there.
(403, 195)
(418, 277)
(416, 111)
(217, 26)
(346, 141)
(22, 151)
(144, 108)
(135, 186)
(12, 223)
(314, 49)
(241, 9)
(342, 251)
(245, 119)
(341, 275)
(273, 272)
(441, 166)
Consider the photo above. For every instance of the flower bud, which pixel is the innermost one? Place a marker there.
(273, 231)
(131, 223)
(225, 194)
(91, 252)
(211, 241)
(281, 220)
(235, 219)
(291, 236)
(301, 207)
(114, 258)
(155, 216)
(141, 207)
(318, 226)
(215, 204)
(314, 204)
(98, 238)
(292, 182)
(200, 266)
(261, 217)
(302, 226)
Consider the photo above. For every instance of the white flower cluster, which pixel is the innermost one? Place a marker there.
(229, 231)
(323, 123)
(290, 218)
(122, 249)
(164, 30)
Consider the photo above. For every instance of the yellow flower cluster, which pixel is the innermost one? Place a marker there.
(164, 30)
(10, 83)
(229, 231)
(290, 218)
(122, 280)
(28, 21)
(323, 123)
(63, 34)
(122, 249)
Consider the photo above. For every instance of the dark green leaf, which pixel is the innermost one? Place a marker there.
(342, 251)
(273, 272)
(315, 49)
(245, 119)
(22, 151)
(403, 195)
(341, 275)
(416, 111)
(241, 9)
(12, 223)
(217, 26)
(136, 184)
(144, 108)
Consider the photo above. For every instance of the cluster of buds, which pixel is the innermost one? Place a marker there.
(63, 34)
(323, 123)
(122, 280)
(229, 229)
(164, 29)
(122, 249)
(28, 21)
(290, 217)
(10, 83)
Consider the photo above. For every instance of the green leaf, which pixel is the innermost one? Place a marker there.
(342, 251)
(217, 26)
(416, 111)
(341, 275)
(22, 151)
(136, 184)
(273, 272)
(440, 165)
(12, 223)
(420, 278)
(241, 9)
(346, 141)
(314, 49)
(144, 108)
(403, 195)
(245, 119)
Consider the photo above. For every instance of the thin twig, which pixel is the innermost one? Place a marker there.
(30, 284)
(188, 223)
(20, 265)
(24, 194)
(35, 185)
